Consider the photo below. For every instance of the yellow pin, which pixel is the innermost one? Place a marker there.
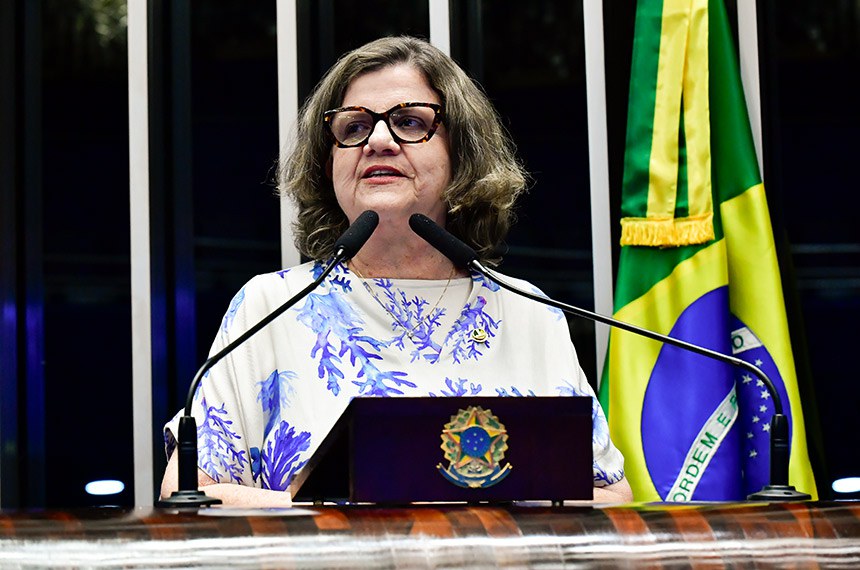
(479, 335)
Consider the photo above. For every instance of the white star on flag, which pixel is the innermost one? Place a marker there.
(762, 408)
(755, 419)
(753, 453)
(765, 427)
(750, 435)
(747, 378)
(765, 394)
(759, 382)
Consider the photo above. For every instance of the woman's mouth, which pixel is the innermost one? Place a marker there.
(380, 172)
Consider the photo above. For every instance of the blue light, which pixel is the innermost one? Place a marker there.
(104, 487)
(847, 485)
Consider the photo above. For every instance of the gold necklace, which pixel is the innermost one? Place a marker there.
(409, 332)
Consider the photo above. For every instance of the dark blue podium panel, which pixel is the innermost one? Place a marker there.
(403, 450)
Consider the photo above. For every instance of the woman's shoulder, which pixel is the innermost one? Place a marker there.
(515, 301)
(303, 273)
(276, 286)
(488, 285)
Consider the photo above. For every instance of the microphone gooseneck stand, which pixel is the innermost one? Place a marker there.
(778, 489)
(188, 495)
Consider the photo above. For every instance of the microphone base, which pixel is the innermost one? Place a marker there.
(187, 500)
(779, 493)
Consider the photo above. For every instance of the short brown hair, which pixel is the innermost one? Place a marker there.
(486, 176)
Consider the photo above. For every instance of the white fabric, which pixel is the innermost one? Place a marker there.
(263, 410)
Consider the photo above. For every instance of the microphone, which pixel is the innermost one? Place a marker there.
(355, 236)
(188, 495)
(464, 256)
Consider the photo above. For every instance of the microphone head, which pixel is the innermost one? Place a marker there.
(357, 234)
(458, 252)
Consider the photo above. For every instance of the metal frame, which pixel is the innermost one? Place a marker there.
(440, 26)
(288, 110)
(750, 77)
(598, 160)
(141, 301)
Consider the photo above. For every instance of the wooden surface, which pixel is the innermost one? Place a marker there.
(802, 535)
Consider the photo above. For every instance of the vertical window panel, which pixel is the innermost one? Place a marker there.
(810, 130)
(234, 134)
(533, 68)
(330, 28)
(85, 227)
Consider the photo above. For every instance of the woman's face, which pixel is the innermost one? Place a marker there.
(395, 180)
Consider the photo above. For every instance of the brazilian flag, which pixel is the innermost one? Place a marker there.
(698, 263)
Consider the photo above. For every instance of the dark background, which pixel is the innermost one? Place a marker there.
(66, 331)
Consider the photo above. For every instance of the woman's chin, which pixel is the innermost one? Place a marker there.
(393, 204)
(388, 206)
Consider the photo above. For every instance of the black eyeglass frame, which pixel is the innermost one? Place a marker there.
(438, 117)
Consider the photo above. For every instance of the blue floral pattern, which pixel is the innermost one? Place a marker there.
(599, 434)
(410, 316)
(279, 394)
(275, 393)
(472, 317)
(333, 320)
(559, 315)
(235, 303)
(515, 392)
(280, 458)
(486, 283)
(458, 388)
(217, 452)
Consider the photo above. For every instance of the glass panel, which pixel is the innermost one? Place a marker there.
(530, 57)
(811, 143)
(234, 135)
(356, 23)
(87, 355)
(329, 28)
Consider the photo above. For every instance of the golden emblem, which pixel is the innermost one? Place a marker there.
(474, 442)
(479, 335)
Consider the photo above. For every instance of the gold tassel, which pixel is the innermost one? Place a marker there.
(667, 232)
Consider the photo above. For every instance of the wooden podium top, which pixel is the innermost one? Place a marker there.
(654, 535)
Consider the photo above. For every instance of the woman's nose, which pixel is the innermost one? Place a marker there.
(381, 139)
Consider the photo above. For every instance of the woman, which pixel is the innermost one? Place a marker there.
(395, 127)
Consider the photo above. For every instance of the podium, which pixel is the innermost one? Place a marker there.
(745, 535)
(453, 449)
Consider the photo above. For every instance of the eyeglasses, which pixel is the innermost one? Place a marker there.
(408, 123)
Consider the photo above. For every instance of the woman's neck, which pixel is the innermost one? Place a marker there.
(395, 254)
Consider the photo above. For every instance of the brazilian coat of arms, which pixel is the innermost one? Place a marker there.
(474, 442)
